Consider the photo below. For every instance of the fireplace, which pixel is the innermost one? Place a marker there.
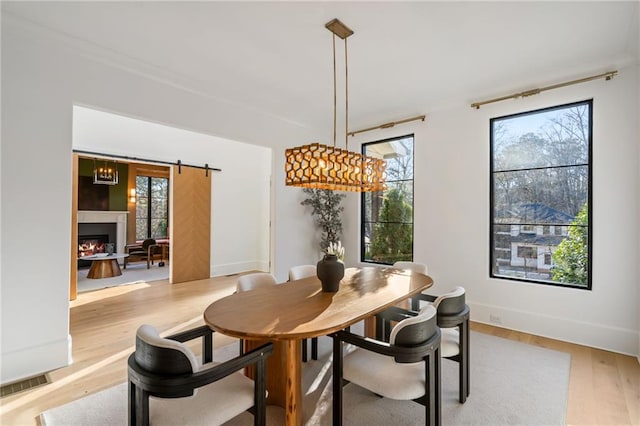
(91, 244)
(94, 222)
(92, 238)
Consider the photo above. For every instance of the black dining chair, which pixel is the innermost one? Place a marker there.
(405, 368)
(250, 282)
(415, 267)
(297, 273)
(453, 319)
(167, 383)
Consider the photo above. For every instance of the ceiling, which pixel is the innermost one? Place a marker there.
(405, 58)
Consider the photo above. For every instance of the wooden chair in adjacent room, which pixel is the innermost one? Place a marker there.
(298, 273)
(185, 391)
(405, 368)
(149, 250)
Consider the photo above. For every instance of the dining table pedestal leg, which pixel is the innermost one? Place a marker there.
(284, 377)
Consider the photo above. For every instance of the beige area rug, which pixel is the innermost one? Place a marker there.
(135, 273)
(511, 384)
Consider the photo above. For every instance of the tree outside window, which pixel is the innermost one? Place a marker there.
(387, 216)
(152, 207)
(540, 196)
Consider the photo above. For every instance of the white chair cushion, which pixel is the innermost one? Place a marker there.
(450, 343)
(252, 281)
(214, 404)
(382, 375)
(414, 266)
(302, 271)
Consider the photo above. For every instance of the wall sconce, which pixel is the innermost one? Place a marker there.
(132, 195)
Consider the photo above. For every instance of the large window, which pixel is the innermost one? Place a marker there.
(387, 216)
(541, 196)
(152, 207)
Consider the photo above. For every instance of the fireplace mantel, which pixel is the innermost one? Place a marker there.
(100, 216)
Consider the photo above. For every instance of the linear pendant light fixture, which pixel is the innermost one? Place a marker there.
(322, 166)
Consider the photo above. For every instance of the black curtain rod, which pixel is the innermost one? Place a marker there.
(124, 157)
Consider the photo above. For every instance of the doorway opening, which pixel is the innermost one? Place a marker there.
(239, 216)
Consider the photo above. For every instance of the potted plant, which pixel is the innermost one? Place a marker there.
(326, 210)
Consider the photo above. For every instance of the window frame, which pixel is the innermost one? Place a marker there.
(149, 217)
(363, 198)
(590, 165)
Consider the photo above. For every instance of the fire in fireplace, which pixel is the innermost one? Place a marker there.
(91, 244)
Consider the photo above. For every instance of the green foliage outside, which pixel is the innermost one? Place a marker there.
(571, 257)
(326, 210)
(154, 191)
(393, 241)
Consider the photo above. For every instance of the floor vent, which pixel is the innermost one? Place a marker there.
(23, 385)
(231, 275)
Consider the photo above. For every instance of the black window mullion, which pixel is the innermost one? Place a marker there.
(516, 193)
(149, 202)
(373, 205)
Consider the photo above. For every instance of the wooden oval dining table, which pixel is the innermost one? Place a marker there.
(289, 312)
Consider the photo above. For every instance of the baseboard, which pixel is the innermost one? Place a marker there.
(32, 361)
(599, 336)
(236, 268)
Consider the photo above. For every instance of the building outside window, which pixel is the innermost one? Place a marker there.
(387, 216)
(152, 207)
(541, 196)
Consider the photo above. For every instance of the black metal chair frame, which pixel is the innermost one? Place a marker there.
(305, 349)
(314, 349)
(459, 320)
(429, 352)
(143, 383)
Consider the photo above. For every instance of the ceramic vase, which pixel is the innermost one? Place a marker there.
(330, 271)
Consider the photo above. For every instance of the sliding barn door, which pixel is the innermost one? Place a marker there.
(190, 225)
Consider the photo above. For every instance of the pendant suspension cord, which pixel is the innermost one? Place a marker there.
(335, 96)
(346, 98)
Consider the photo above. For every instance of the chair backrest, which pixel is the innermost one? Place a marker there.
(451, 303)
(148, 242)
(255, 280)
(415, 330)
(414, 266)
(302, 271)
(163, 356)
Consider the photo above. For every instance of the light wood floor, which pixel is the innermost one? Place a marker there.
(604, 387)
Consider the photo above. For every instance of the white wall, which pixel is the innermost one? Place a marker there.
(41, 81)
(240, 203)
(452, 217)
